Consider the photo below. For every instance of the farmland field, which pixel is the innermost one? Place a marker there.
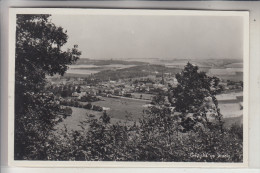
(92, 69)
(230, 110)
(228, 122)
(122, 107)
(130, 110)
(78, 115)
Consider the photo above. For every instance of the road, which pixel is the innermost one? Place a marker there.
(113, 96)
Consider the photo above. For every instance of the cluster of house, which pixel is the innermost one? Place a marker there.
(125, 87)
(150, 85)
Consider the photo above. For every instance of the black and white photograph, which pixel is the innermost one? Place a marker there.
(128, 86)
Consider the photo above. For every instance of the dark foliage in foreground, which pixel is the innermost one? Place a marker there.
(156, 138)
(195, 97)
(38, 53)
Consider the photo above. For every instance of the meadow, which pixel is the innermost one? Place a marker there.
(123, 108)
(128, 110)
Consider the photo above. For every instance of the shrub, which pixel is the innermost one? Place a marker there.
(97, 108)
(156, 138)
(87, 106)
(89, 99)
(76, 104)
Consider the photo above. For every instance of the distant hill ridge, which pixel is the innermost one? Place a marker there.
(136, 71)
(199, 62)
(108, 62)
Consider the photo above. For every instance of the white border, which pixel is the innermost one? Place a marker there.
(11, 77)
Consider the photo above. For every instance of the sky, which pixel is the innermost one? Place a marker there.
(164, 37)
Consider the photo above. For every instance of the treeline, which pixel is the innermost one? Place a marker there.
(38, 54)
(134, 72)
(77, 104)
(108, 62)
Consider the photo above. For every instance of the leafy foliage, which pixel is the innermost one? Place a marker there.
(38, 53)
(194, 96)
(192, 88)
(155, 138)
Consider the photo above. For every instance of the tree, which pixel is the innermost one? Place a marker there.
(194, 96)
(78, 89)
(105, 118)
(38, 53)
(158, 99)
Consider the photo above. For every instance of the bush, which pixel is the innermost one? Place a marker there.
(156, 138)
(76, 104)
(66, 112)
(87, 106)
(237, 130)
(128, 95)
(89, 99)
(97, 108)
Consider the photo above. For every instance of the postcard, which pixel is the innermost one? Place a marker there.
(128, 88)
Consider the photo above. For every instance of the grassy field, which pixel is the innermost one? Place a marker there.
(123, 108)
(127, 110)
(230, 110)
(78, 115)
(228, 122)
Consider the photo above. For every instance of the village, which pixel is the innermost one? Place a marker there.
(95, 95)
